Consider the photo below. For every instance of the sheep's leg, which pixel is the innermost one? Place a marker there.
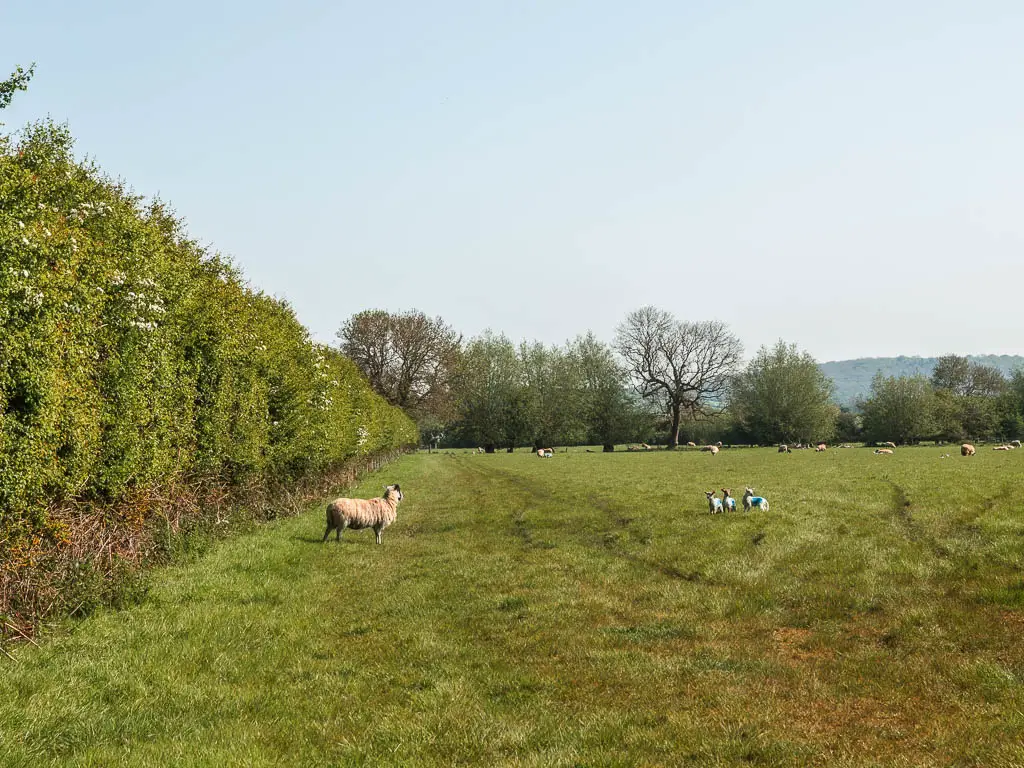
(337, 539)
(327, 532)
(378, 529)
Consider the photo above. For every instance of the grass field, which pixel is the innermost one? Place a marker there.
(580, 610)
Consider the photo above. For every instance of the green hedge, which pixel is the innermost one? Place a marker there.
(131, 357)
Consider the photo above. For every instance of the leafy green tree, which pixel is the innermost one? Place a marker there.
(783, 396)
(608, 412)
(969, 398)
(18, 81)
(963, 378)
(553, 395)
(490, 393)
(900, 409)
(849, 425)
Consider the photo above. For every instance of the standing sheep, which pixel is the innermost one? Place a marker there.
(783, 448)
(750, 501)
(364, 513)
(728, 501)
(820, 447)
(714, 504)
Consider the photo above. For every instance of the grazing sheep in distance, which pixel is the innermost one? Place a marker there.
(884, 451)
(820, 447)
(545, 453)
(1015, 443)
(714, 504)
(712, 449)
(784, 449)
(967, 449)
(751, 501)
(691, 444)
(363, 513)
(728, 501)
(889, 445)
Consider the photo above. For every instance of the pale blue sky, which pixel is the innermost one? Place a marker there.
(848, 176)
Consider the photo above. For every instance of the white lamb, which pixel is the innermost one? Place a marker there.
(714, 503)
(364, 513)
(750, 501)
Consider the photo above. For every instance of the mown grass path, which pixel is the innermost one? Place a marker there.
(582, 610)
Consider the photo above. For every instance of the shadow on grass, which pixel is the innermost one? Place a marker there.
(310, 539)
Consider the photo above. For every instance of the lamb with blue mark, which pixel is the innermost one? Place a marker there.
(728, 501)
(750, 501)
(714, 503)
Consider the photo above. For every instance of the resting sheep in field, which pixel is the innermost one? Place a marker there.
(363, 513)
(967, 449)
(889, 445)
(545, 453)
(1002, 448)
(883, 451)
(784, 449)
(714, 504)
(820, 447)
(750, 501)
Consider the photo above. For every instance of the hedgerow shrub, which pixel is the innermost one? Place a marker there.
(132, 358)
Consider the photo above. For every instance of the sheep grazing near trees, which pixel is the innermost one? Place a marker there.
(1015, 443)
(714, 503)
(364, 513)
(712, 449)
(820, 447)
(750, 501)
(728, 501)
(545, 453)
(691, 444)
(784, 449)
(967, 450)
(889, 445)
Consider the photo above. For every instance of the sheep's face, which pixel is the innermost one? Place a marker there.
(726, 491)
(749, 491)
(393, 490)
(709, 494)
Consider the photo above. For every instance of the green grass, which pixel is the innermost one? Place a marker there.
(581, 610)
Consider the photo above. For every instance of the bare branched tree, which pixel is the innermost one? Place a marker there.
(684, 367)
(408, 357)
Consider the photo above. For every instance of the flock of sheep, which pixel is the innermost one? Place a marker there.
(381, 512)
(728, 504)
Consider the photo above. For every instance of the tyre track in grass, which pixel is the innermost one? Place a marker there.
(618, 518)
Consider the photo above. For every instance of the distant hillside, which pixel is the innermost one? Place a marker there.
(853, 377)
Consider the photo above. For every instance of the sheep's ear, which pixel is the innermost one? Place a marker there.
(398, 487)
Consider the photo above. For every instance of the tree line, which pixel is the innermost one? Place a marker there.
(140, 375)
(660, 380)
